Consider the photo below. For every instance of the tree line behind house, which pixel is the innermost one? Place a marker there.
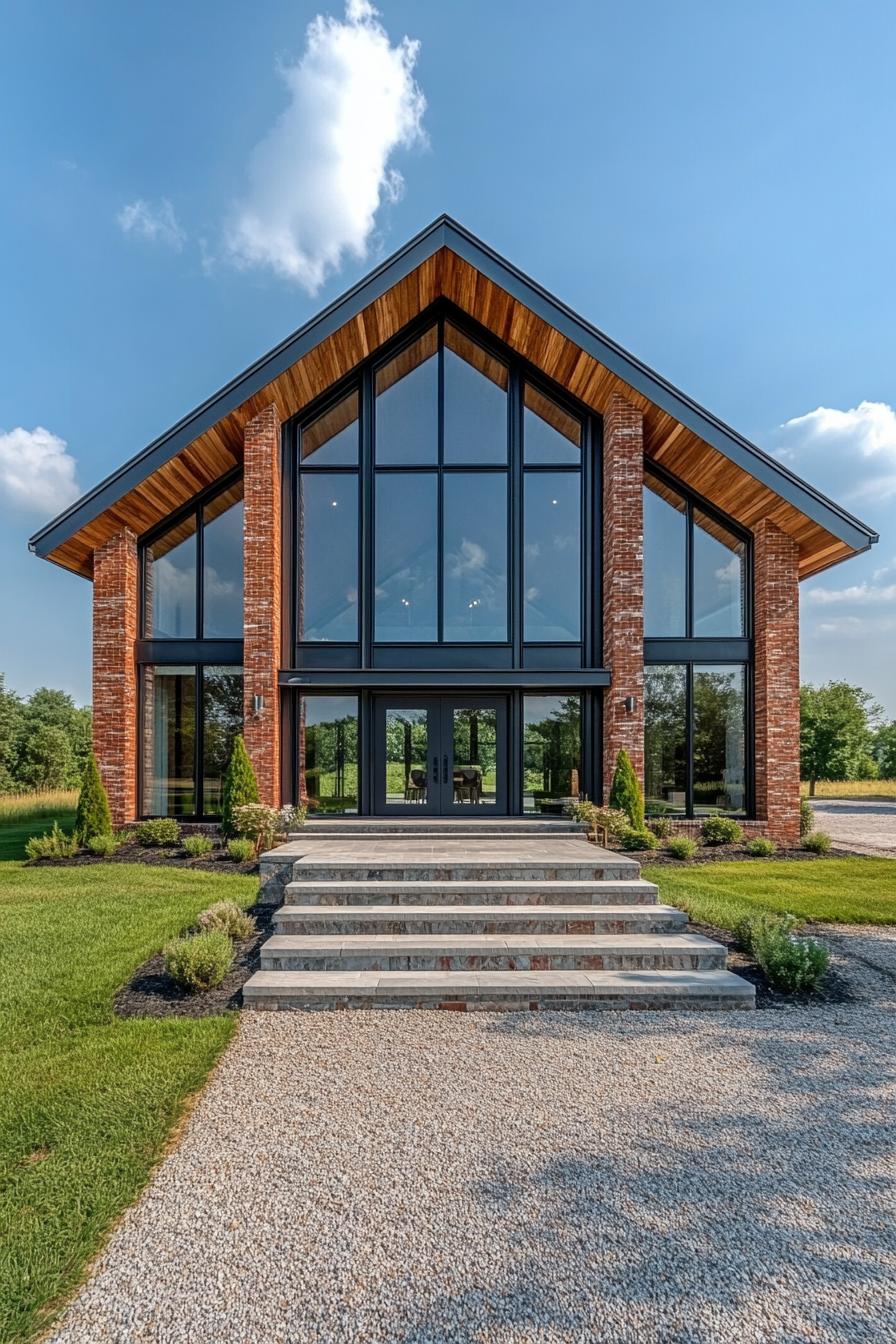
(45, 738)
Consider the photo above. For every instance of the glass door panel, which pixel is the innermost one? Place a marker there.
(475, 748)
(440, 756)
(407, 762)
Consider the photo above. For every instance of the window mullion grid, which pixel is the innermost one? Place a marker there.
(689, 740)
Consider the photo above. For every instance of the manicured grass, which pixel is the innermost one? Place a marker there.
(25, 814)
(852, 788)
(842, 891)
(87, 1100)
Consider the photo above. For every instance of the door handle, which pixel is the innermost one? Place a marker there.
(444, 769)
(435, 769)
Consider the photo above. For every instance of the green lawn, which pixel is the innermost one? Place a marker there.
(25, 814)
(843, 891)
(86, 1100)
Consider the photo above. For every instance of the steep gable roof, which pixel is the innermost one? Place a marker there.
(446, 261)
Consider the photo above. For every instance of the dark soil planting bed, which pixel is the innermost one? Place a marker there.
(173, 856)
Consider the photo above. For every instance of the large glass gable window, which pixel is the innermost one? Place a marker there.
(193, 572)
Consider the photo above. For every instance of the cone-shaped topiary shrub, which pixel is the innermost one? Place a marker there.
(240, 785)
(625, 791)
(93, 816)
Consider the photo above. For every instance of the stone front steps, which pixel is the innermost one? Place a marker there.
(333, 920)
(516, 915)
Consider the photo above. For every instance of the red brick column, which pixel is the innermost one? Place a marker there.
(777, 681)
(115, 579)
(261, 617)
(623, 584)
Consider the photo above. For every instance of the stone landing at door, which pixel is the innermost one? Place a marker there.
(515, 915)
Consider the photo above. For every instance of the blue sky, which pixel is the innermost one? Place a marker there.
(713, 185)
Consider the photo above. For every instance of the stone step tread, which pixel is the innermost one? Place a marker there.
(409, 943)
(474, 885)
(524, 985)
(412, 914)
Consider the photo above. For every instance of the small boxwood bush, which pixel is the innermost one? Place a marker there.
(241, 851)
(721, 831)
(103, 845)
(682, 847)
(229, 918)
(791, 964)
(661, 826)
(199, 961)
(637, 838)
(197, 845)
(819, 842)
(53, 844)
(158, 831)
(760, 847)
(807, 817)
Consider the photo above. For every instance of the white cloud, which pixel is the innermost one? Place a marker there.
(852, 454)
(156, 223)
(863, 594)
(856, 627)
(318, 178)
(37, 473)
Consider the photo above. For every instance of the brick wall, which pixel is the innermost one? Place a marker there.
(262, 627)
(623, 584)
(777, 681)
(115, 580)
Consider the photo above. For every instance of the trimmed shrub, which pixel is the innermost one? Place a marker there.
(53, 844)
(103, 845)
(760, 847)
(240, 786)
(199, 961)
(791, 964)
(807, 817)
(257, 823)
(819, 842)
(229, 918)
(241, 851)
(661, 826)
(625, 791)
(158, 831)
(93, 815)
(682, 847)
(721, 831)
(197, 845)
(637, 837)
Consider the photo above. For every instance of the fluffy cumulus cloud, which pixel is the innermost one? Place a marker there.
(157, 223)
(318, 178)
(852, 453)
(37, 472)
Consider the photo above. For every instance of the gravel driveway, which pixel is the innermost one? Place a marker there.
(429, 1178)
(866, 827)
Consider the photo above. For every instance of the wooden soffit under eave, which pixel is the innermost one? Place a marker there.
(445, 274)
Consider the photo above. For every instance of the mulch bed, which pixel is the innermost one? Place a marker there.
(729, 854)
(834, 988)
(152, 993)
(157, 855)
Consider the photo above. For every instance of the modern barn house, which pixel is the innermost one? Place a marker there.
(443, 553)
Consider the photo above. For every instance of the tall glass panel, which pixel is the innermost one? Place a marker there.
(552, 751)
(169, 741)
(222, 565)
(475, 756)
(551, 436)
(407, 404)
(474, 534)
(222, 719)
(475, 411)
(169, 583)
(719, 739)
(328, 753)
(327, 552)
(406, 557)
(719, 584)
(552, 557)
(665, 739)
(407, 755)
(665, 561)
(332, 439)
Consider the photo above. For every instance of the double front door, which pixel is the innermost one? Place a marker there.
(440, 755)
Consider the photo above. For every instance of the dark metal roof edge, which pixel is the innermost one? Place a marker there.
(445, 231)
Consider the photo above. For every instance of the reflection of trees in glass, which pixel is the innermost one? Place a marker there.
(330, 774)
(719, 738)
(665, 739)
(552, 748)
(476, 739)
(222, 719)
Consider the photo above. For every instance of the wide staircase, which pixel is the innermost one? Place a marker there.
(517, 914)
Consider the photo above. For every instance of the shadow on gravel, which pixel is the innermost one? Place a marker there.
(762, 1213)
